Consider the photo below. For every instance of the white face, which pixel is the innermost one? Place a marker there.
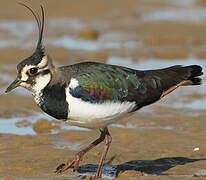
(35, 77)
(25, 72)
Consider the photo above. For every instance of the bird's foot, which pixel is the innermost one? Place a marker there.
(60, 168)
(74, 162)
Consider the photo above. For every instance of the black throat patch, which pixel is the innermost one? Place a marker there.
(54, 101)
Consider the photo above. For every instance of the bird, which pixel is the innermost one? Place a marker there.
(94, 95)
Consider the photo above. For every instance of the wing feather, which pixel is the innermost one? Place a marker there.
(102, 82)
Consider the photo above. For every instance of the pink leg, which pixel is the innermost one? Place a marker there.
(107, 143)
(77, 158)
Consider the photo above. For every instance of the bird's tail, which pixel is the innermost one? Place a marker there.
(176, 76)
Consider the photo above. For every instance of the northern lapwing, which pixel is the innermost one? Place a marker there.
(94, 95)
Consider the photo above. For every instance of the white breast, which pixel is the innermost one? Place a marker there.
(95, 115)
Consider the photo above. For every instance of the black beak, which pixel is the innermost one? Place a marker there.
(13, 85)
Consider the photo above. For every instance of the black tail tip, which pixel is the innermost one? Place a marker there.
(196, 81)
(196, 70)
(195, 73)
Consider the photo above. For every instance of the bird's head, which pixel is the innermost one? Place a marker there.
(34, 72)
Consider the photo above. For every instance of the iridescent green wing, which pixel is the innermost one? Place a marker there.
(107, 82)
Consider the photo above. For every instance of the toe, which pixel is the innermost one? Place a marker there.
(60, 168)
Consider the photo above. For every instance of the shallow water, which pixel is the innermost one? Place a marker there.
(9, 125)
(113, 40)
(197, 15)
(20, 31)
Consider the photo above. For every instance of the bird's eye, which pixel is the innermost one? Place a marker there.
(33, 71)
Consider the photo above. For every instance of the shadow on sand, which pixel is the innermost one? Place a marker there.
(154, 167)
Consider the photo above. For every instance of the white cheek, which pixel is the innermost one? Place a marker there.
(41, 82)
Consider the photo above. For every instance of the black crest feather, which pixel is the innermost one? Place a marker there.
(40, 23)
(39, 52)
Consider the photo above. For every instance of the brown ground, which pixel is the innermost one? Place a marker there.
(161, 144)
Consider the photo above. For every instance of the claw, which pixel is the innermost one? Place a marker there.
(63, 167)
(60, 168)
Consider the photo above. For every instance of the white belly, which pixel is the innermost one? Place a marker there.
(95, 115)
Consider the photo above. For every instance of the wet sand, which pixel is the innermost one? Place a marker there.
(163, 141)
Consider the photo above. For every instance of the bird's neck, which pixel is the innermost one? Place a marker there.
(52, 100)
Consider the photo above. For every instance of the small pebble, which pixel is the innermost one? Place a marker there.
(196, 149)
